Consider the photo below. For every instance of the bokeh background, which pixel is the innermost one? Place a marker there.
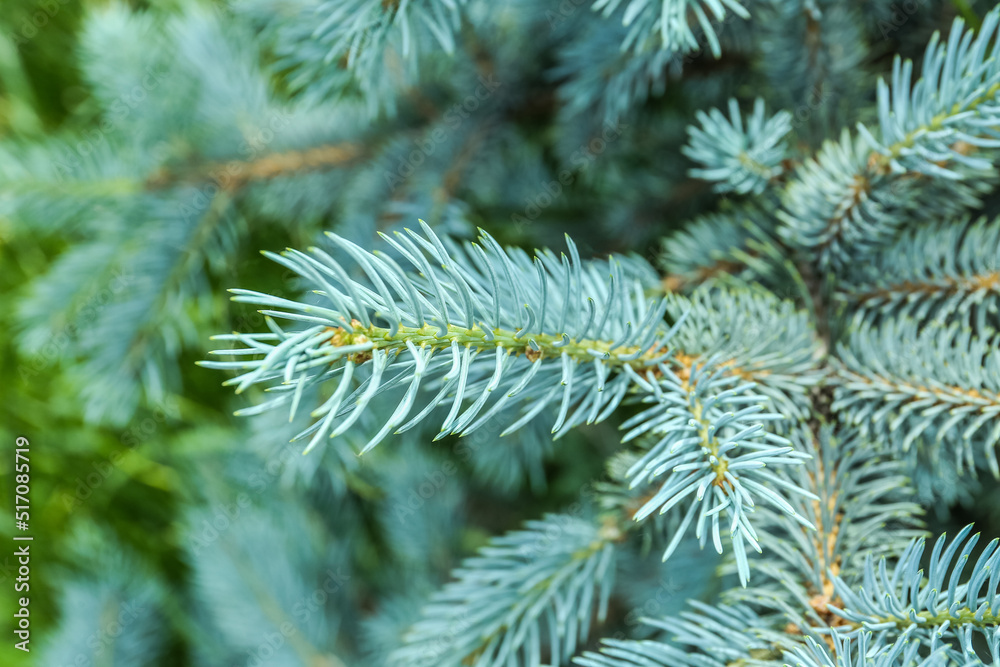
(149, 154)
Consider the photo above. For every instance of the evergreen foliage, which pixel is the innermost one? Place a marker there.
(758, 239)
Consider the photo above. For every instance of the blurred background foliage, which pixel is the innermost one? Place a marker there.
(121, 507)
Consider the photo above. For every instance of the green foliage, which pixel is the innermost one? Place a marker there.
(671, 22)
(741, 160)
(944, 272)
(552, 330)
(936, 387)
(423, 467)
(333, 49)
(527, 592)
(910, 597)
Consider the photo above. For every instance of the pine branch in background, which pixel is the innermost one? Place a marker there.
(810, 369)
(587, 91)
(670, 23)
(839, 210)
(144, 288)
(542, 586)
(116, 616)
(254, 593)
(360, 48)
(720, 633)
(935, 388)
(861, 508)
(738, 159)
(848, 201)
(855, 506)
(944, 273)
(737, 241)
(947, 114)
(815, 53)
